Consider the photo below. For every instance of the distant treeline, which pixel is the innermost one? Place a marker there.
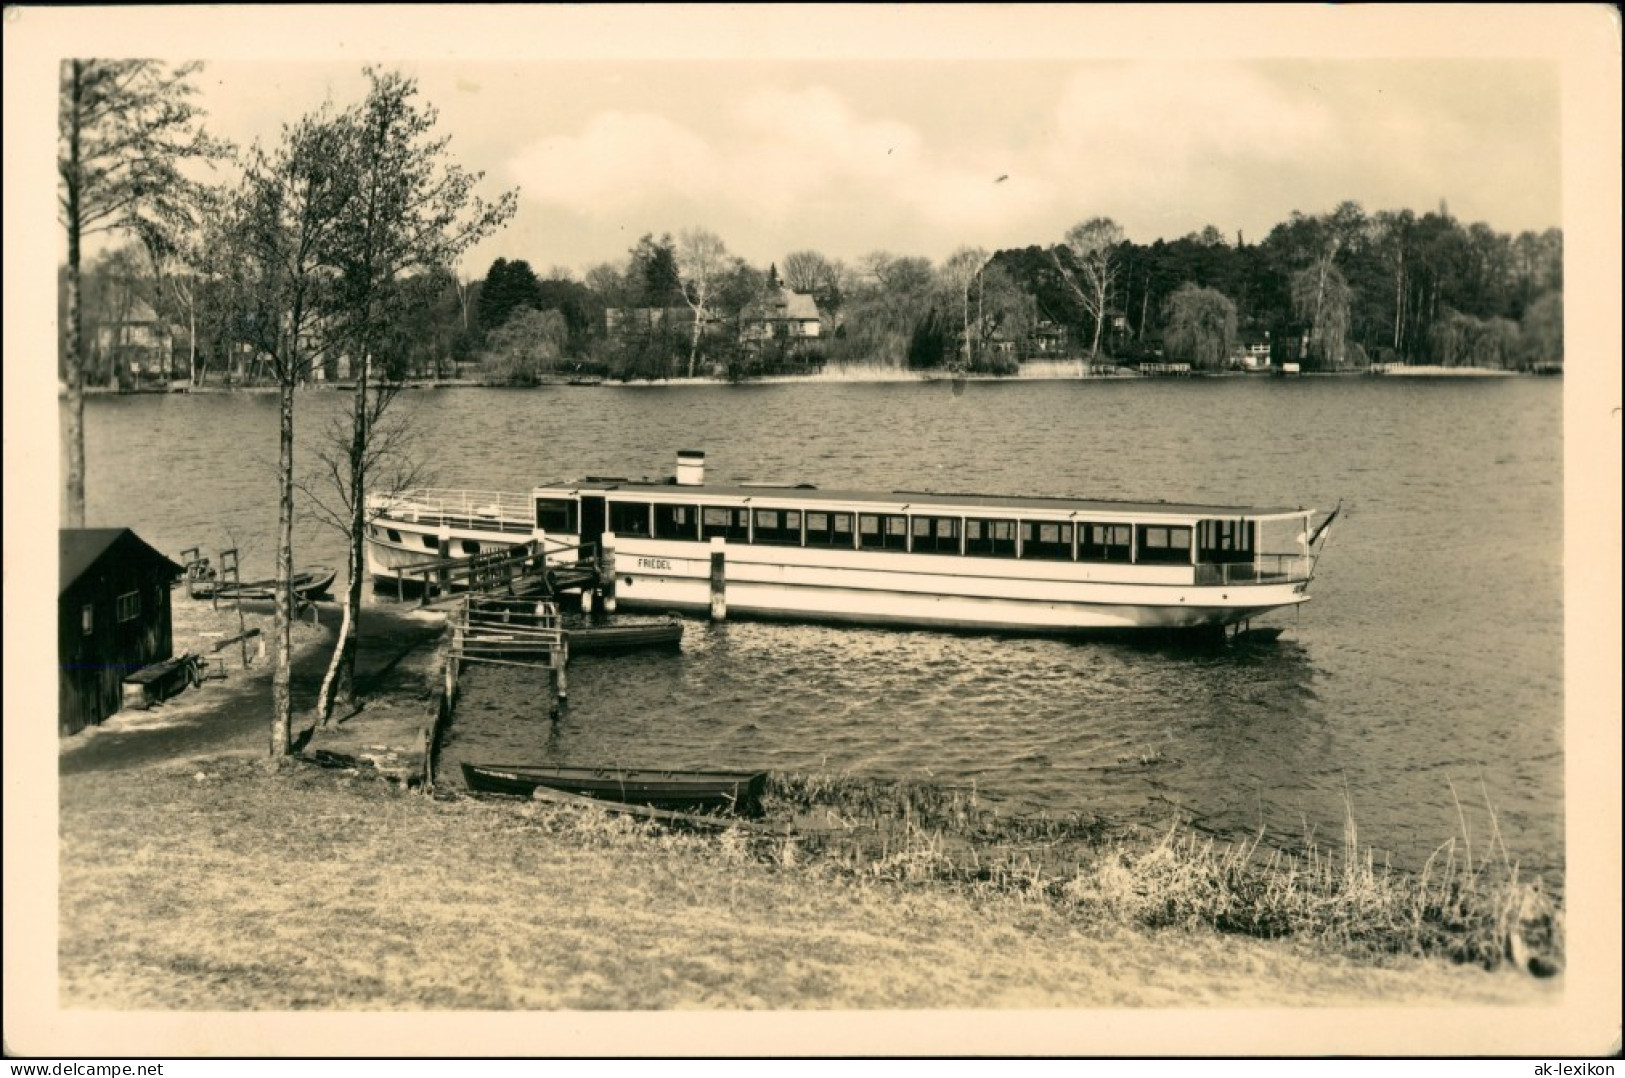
(1340, 290)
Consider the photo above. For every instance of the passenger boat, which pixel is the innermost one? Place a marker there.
(737, 790)
(977, 562)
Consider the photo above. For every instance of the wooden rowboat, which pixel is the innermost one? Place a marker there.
(489, 641)
(597, 638)
(737, 790)
(312, 583)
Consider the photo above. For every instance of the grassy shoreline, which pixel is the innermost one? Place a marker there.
(193, 876)
(222, 885)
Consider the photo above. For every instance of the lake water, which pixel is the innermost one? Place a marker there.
(1427, 670)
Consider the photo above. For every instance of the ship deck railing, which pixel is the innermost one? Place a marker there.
(1263, 569)
(489, 510)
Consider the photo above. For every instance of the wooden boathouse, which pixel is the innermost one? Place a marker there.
(113, 618)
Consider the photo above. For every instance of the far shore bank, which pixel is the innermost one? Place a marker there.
(1058, 371)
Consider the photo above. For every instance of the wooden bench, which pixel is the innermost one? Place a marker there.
(156, 683)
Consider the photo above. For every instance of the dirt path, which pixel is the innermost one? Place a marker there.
(232, 716)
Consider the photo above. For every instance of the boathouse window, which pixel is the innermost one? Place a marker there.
(1224, 541)
(556, 515)
(829, 529)
(726, 522)
(990, 538)
(1103, 542)
(87, 618)
(129, 606)
(676, 522)
(629, 518)
(878, 532)
(935, 535)
(1164, 544)
(1046, 540)
(778, 526)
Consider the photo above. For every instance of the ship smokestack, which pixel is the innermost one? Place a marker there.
(690, 468)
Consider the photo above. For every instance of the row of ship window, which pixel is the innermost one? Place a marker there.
(973, 536)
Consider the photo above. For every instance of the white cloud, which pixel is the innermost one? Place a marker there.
(618, 159)
(1171, 115)
(796, 163)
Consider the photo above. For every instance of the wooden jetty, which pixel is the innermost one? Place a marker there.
(513, 631)
(524, 569)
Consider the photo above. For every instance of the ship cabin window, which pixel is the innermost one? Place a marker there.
(470, 546)
(556, 515)
(1224, 541)
(1103, 542)
(781, 526)
(629, 518)
(1164, 544)
(829, 530)
(882, 532)
(935, 535)
(431, 542)
(725, 522)
(990, 538)
(677, 522)
(394, 536)
(1046, 540)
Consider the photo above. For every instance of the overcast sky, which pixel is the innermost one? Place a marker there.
(922, 156)
(913, 130)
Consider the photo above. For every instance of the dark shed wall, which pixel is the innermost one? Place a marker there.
(93, 664)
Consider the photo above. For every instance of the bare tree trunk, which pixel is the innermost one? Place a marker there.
(74, 375)
(282, 622)
(346, 693)
(694, 344)
(1100, 317)
(73, 363)
(324, 698)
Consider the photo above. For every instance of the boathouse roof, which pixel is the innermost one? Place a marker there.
(83, 549)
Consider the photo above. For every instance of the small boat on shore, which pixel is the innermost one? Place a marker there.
(734, 790)
(312, 583)
(602, 638)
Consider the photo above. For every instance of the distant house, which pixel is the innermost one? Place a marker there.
(779, 315)
(1047, 338)
(113, 618)
(1254, 354)
(140, 342)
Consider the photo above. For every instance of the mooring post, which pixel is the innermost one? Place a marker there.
(606, 571)
(443, 552)
(719, 579)
(558, 687)
(562, 652)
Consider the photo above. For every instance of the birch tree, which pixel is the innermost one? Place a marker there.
(124, 128)
(284, 216)
(960, 276)
(702, 259)
(1092, 249)
(414, 211)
